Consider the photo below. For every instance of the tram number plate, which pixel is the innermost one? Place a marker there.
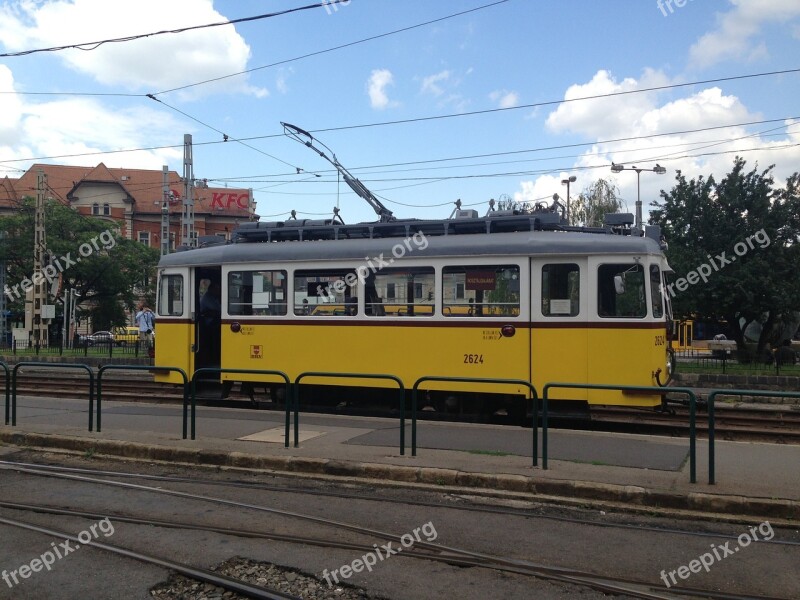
(473, 359)
(661, 340)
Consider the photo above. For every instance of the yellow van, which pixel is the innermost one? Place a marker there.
(125, 335)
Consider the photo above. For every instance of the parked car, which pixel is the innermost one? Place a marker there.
(126, 336)
(96, 338)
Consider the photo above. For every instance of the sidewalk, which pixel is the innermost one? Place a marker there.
(754, 479)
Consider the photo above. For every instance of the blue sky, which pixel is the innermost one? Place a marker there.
(512, 54)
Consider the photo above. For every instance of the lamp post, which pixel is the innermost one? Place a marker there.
(658, 169)
(567, 181)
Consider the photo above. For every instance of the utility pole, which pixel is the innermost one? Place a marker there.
(165, 210)
(39, 291)
(3, 301)
(187, 219)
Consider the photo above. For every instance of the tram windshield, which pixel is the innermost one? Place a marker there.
(621, 291)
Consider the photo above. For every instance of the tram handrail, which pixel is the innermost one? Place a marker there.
(528, 384)
(105, 368)
(397, 380)
(50, 365)
(643, 390)
(220, 371)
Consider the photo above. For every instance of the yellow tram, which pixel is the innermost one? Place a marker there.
(500, 297)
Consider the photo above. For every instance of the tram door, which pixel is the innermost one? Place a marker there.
(207, 317)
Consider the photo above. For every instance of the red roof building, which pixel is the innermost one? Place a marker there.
(132, 199)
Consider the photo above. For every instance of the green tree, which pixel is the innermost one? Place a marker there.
(755, 280)
(594, 203)
(110, 275)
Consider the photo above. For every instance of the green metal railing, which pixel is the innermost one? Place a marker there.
(712, 396)
(219, 371)
(52, 366)
(8, 388)
(638, 389)
(384, 377)
(527, 384)
(105, 368)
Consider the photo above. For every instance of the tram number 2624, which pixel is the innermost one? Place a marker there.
(473, 359)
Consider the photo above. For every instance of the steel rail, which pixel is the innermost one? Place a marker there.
(633, 588)
(227, 583)
(522, 513)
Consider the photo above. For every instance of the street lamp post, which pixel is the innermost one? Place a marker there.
(658, 169)
(567, 181)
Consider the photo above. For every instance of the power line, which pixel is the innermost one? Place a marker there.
(554, 102)
(89, 46)
(334, 48)
(225, 136)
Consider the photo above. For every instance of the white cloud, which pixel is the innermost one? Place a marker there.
(504, 98)
(430, 85)
(153, 64)
(29, 130)
(378, 81)
(617, 113)
(647, 114)
(733, 39)
(281, 82)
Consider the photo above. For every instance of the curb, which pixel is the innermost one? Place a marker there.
(633, 496)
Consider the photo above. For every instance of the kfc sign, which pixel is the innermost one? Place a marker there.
(226, 201)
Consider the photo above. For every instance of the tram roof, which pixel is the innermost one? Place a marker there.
(525, 243)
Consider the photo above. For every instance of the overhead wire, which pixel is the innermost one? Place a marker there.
(89, 46)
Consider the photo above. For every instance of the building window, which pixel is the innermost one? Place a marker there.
(95, 209)
(561, 290)
(144, 238)
(257, 293)
(106, 209)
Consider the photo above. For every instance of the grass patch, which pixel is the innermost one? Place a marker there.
(490, 452)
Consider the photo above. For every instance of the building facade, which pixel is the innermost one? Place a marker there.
(131, 200)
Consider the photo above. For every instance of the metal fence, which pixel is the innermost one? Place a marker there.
(57, 347)
(735, 363)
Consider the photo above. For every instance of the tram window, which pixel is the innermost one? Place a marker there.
(656, 296)
(561, 290)
(328, 292)
(488, 291)
(400, 293)
(257, 293)
(170, 296)
(621, 291)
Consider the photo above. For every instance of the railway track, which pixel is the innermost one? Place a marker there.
(731, 423)
(420, 550)
(780, 425)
